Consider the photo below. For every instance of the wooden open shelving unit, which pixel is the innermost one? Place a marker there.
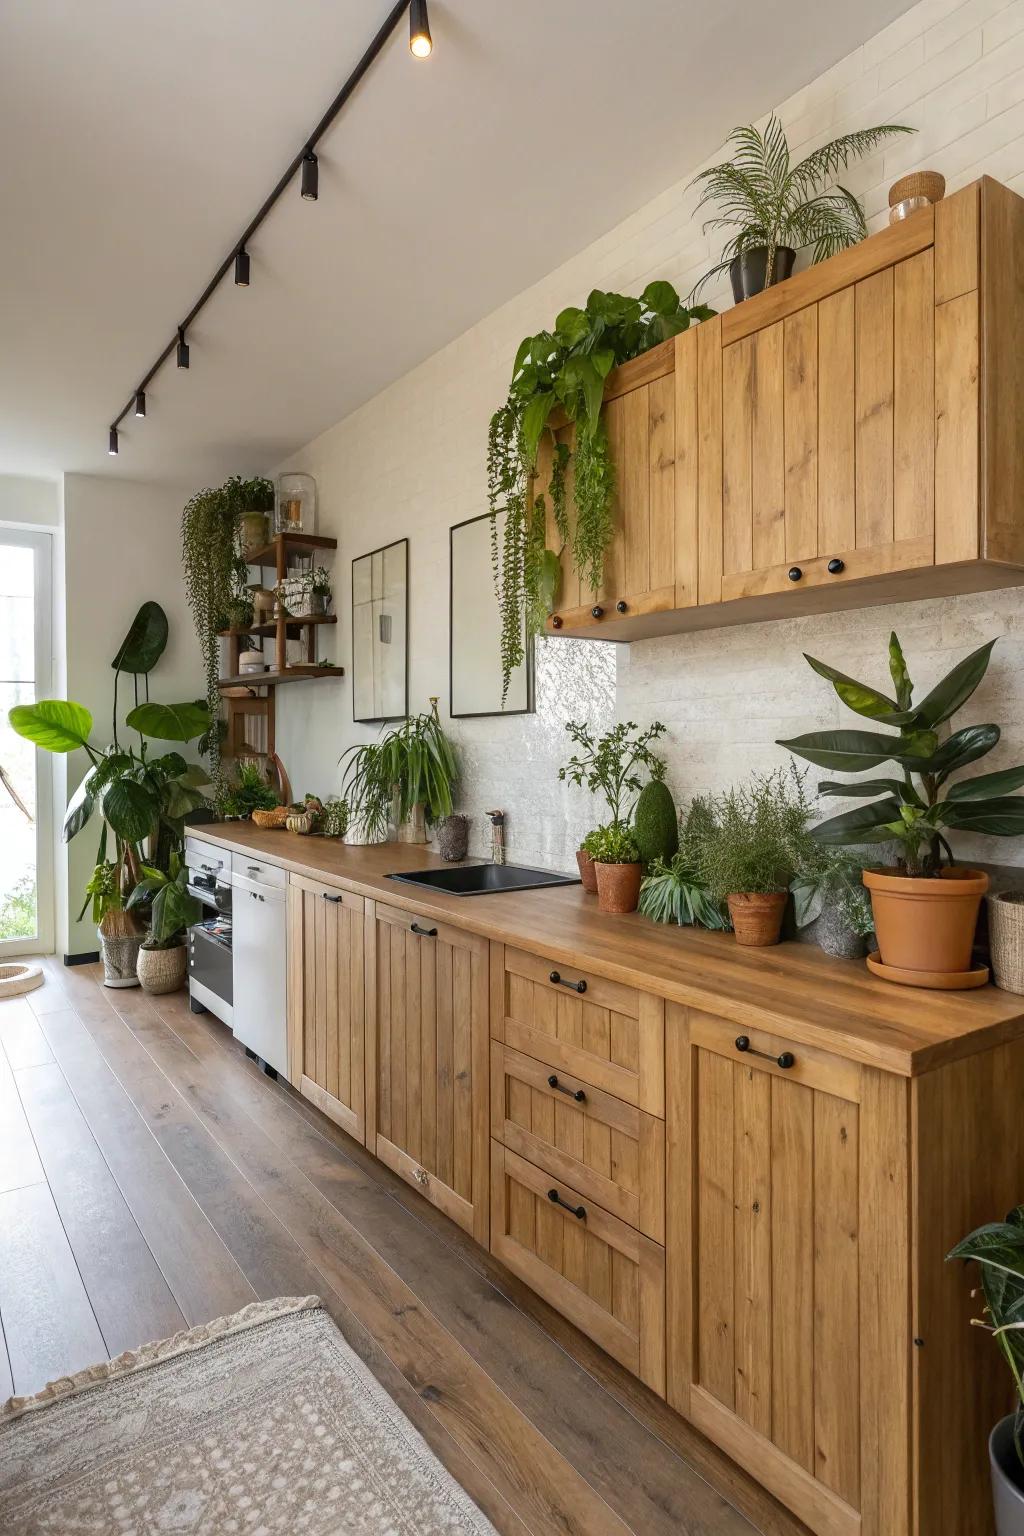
(251, 694)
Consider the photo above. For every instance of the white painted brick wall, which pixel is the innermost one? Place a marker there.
(412, 461)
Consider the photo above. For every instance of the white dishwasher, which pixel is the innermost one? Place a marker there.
(259, 963)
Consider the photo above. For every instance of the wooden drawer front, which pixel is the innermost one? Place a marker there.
(604, 1276)
(777, 1327)
(609, 1035)
(427, 1010)
(611, 1152)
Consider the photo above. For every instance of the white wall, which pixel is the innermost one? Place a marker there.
(412, 461)
(28, 502)
(121, 546)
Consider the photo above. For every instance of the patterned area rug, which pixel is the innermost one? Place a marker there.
(264, 1422)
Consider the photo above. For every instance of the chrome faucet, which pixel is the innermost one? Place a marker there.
(497, 819)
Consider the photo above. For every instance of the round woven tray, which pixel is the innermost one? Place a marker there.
(929, 184)
(269, 820)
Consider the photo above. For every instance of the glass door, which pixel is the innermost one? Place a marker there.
(26, 854)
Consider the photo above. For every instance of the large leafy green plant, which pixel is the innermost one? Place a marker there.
(565, 367)
(613, 765)
(919, 806)
(143, 800)
(771, 203)
(998, 1250)
(415, 758)
(172, 907)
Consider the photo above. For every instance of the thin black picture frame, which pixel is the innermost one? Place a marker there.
(380, 719)
(528, 645)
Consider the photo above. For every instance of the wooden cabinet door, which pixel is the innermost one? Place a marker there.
(640, 565)
(325, 1000)
(789, 1331)
(427, 1044)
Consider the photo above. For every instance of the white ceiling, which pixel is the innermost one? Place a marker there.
(137, 138)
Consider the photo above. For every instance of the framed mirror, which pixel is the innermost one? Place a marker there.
(380, 634)
(475, 629)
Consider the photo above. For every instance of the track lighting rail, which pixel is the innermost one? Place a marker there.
(177, 344)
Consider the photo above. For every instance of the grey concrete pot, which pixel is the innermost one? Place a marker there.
(1007, 1479)
(832, 933)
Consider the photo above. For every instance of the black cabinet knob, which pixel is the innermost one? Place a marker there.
(620, 606)
(794, 573)
(556, 622)
(835, 566)
(597, 611)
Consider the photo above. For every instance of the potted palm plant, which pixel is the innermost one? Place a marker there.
(777, 208)
(925, 910)
(748, 850)
(998, 1251)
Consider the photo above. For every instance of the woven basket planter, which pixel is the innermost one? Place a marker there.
(1006, 939)
(120, 960)
(162, 970)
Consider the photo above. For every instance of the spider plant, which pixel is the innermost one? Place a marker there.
(421, 761)
(774, 205)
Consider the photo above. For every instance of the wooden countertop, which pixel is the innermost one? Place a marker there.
(794, 989)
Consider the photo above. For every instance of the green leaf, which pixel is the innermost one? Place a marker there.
(997, 818)
(808, 900)
(535, 419)
(57, 725)
(860, 697)
(956, 687)
(860, 789)
(863, 824)
(593, 392)
(194, 776)
(963, 747)
(603, 359)
(987, 784)
(899, 674)
(130, 808)
(660, 297)
(80, 808)
(851, 751)
(145, 642)
(169, 722)
(571, 326)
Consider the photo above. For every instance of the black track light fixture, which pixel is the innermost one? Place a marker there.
(182, 352)
(140, 402)
(242, 268)
(112, 442)
(420, 42)
(310, 176)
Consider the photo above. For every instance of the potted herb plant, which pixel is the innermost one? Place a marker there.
(998, 1250)
(673, 890)
(749, 848)
(614, 766)
(777, 208)
(247, 792)
(925, 910)
(617, 867)
(172, 909)
(830, 902)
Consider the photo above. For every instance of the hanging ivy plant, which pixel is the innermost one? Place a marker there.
(214, 573)
(565, 367)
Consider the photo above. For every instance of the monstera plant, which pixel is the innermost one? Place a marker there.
(918, 806)
(142, 799)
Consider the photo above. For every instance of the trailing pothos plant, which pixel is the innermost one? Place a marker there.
(564, 368)
(918, 807)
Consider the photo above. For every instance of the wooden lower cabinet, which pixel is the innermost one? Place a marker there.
(426, 1043)
(603, 1275)
(325, 1000)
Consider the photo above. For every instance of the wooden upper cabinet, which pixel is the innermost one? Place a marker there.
(325, 1000)
(427, 1054)
(851, 436)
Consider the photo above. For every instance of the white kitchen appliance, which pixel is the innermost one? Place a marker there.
(259, 956)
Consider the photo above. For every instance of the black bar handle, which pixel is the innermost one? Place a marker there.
(424, 933)
(785, 1061)
(578, 1095)
(574, 986)
(328, 897)
(579, 1211)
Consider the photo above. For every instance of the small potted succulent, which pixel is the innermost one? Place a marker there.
(172, 909)
(617, 866)
(615, 766)
(925, 907)
(998, 1250)
(749, 848)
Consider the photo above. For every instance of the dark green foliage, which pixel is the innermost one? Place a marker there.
(655, 825)
(145, 642)
(250, 792)
(612, 764)
(749, 840)
(998, 1251)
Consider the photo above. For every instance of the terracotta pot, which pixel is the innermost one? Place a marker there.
(926, 924)
(618, 886)
(588, 870)
(757, 916)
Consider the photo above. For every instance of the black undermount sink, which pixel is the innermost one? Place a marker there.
(482, 879)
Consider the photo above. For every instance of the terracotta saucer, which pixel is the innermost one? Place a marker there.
(940, 981)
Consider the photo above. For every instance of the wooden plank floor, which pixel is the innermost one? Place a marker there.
(151, 1178)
